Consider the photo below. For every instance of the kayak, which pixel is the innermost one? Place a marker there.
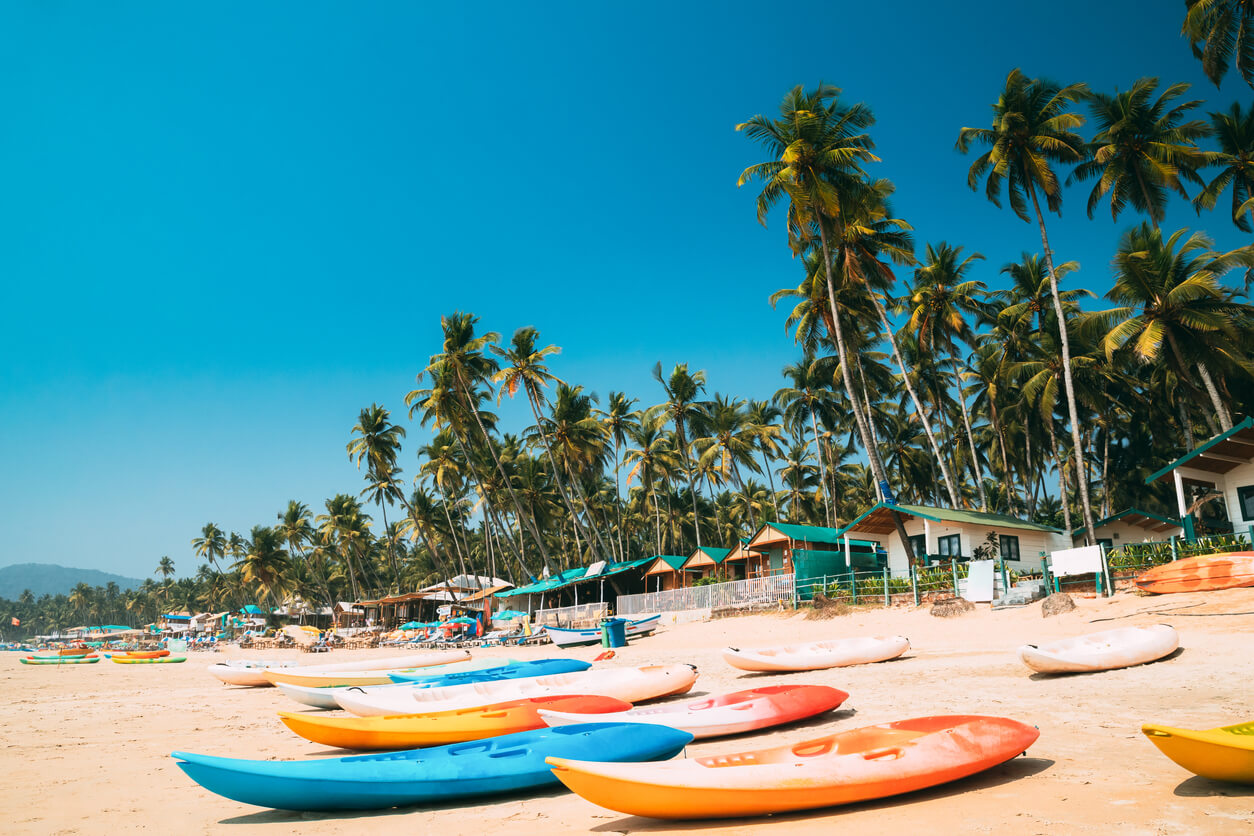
(65, 653)
(1200, 574)
(813, 656)
(743, 711)
(565, 637)
(438, 728)
(325, 698)
(1222, 754)
(627, 684)
(59, 660)
(364, 673)
(374, 782)
(162, 660)
(1107, 650)
(857, 765)
(245, 672)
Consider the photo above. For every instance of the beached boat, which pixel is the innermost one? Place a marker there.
(137, 654)
(851, 766)
(628, 684)
(246, 672)
(1222, 754)
(496, 765)
(59, 660)
(1107, 650)
(1200, 574)
(440, 728)
(742, 711)
(366, 672)
(813, 656)
(160, 660)
(61, 652)
(564, 637)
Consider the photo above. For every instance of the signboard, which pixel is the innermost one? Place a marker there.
(595, 569)
(1082, 561)
(980, 581)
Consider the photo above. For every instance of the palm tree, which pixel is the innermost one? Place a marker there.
(729, 443)
(654, 460)
(805, 401)
(683, 408)
(378, 443)
(1234, 131)
(211, 544)
(1143, 148)
(1174, 297)
(618, 420)
(580, 442)
(1225, 28)
(265, 563)
(165, 568)
(941, 302)
(1032, 130)
(762, 417)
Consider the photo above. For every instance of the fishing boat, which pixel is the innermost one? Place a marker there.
(1103, 651)
(564, 637)
(493, 766)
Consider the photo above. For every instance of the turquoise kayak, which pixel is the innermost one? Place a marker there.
(517, 670)
(503, 764)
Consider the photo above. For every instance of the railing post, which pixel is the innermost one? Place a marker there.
(853, 588)
(1005, 579)
(953, 571)
(887, 601)
(1175, 552)
(914, 584)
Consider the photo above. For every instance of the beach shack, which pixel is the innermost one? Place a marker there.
(808, 551)
(942, 534)
(706, 562)
(1130, 526)
(582, 586)
(666, 571)
(743, 562)
(1223, 466)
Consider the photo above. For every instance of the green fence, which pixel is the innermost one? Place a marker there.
(1136, 557)
(878, 586)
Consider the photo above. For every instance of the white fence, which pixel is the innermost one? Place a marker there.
(583, 615)
(768, 590)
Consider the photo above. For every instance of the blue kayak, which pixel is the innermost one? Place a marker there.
(516, 670)
(484, 767)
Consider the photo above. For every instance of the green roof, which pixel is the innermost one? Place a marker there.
(1248, 423)
(674, 561)
(1128, 512)
(717, 555)
(953, 515)
(808, 533)
(571, 577)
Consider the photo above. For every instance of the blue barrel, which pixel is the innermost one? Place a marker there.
(614, 632)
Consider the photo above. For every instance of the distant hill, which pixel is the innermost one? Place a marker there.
(47, 579)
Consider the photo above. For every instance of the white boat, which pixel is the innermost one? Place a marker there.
(1102, 651)
(246, 671)
(323, 696)
(627, 684)
(563, 637)
(813, 656)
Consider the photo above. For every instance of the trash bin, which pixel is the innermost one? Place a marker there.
(614, 632)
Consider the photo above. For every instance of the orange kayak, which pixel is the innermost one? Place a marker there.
(438, 728)
(140, 654)
(857, 765)
(1200, 574)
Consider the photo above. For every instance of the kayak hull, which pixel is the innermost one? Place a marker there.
(742, 711)
(1103, 651)
(1222, 754)
(813, 656)
(371, 782)
(161, 660)
(441, 728)
(365, 673)
(243, 672)
(59, 660)
(1204, 573)
(858, 765)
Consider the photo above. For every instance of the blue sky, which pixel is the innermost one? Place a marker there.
(228, 227)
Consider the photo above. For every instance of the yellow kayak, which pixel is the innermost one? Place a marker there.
(1222, 754)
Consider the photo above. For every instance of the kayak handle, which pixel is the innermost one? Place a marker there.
(885, 753)
(1156, 733)
(809, 750)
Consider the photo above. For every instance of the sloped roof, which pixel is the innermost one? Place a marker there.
(670, 563)
(1219, 455)
(1142, 519)
(806, 533)
(571, 577)
(879, 519)
(707, 556)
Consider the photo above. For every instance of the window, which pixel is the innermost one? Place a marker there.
(918, 544)
(1009, 547)
(1245, 498)
(949, 546)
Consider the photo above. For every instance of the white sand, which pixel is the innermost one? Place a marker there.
(86, 748)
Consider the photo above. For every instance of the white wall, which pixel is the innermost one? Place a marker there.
(1240, 476)
(1031, 542)
(1122, 532)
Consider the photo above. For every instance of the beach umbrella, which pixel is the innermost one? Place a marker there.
(413, 625)
(461, 619)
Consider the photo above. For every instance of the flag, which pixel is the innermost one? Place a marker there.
(17, 622)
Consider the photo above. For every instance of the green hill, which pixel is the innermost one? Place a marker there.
(47, 579)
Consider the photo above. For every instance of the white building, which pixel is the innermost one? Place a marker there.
(1130, 526)
(1225, 464)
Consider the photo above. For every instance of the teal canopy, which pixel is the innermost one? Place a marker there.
(414, 625)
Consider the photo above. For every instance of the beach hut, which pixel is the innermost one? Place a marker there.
(744, 562)
(1222, 467)
(666, 571)
(1130, 526)
(705, 562)
(808, 551)
(939, 534)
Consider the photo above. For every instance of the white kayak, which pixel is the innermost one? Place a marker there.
(246, 671)
(1102, 651)
(626, 684)
(369, 671)
(813, 656)
(323, 696)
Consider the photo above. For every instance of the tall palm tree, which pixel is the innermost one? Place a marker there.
(165, 567)
(297, 532)
(619, 419)
(1234, 130)
(1143, 147)
(682, 408)
(378, 443)
(211, 544)
(579, 440)
(1033, 129)
(942, 303)
(805, 401)
(1174, 297)
(1225, 31)
(763, 417)
(265, 563)
(729, 444)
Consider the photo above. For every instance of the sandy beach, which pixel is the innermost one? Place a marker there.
(87, 747)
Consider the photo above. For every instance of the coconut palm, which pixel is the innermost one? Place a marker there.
(763, 417)
(805, 402)
(1234, 131)
(1033, 129)
(265, 563)
(682, 409)
(165, 567)
(378, 443)
(211, 544)
(654, 460)
(618, 420)
(1144, 146)
(1172, 296)
(1221, 32)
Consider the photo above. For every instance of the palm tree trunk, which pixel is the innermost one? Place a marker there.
(976, 471)
(875, 439)
(1182, 369)
(1065, 342)
(1221, 409)
(618, 502)
(770, 477)
(1105, 473)
(1011, 495)
(561, 489)
(1062, 479)
(692, 485)
(873, 456)
(818, 452)
(396, 572)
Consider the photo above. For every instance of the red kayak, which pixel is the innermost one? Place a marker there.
(1200, 574)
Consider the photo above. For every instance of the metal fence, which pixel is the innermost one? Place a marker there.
(583, 615)
(878, 586)
(768, 590)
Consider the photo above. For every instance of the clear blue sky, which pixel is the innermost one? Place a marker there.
(227, 227)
